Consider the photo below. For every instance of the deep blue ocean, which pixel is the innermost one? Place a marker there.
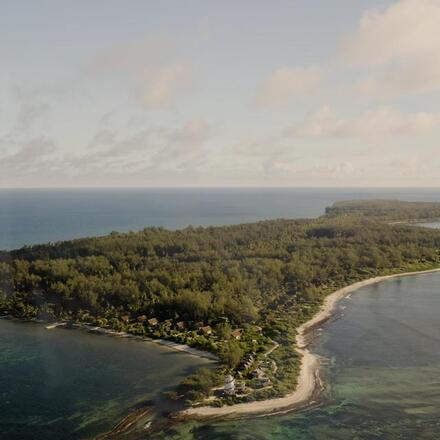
(42, 215)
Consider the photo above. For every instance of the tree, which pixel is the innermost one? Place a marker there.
(232, 354)
(194, 305)
(199, 385)
(223, 331)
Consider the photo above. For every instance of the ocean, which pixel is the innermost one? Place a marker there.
(382, 348)
(46, 215)
(381, 363)
(67, 384)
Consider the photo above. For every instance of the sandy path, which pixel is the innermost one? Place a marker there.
(308, 379)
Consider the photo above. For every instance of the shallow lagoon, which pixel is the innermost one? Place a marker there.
(70, 384)
(383, 370)
(383, 373)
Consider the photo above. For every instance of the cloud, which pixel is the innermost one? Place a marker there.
(151, 149)
(157, 87)
(31, 154)
(338, 169)
(406, 29)
(286, 83)
(384, 121)
(32, 107)
(102, 138)
(414, 77)
(179, 149)
(193, 132)
(153, 74)
(150, 155)
(400, 46)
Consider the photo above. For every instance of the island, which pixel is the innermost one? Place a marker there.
(391, 210)
(246, 294)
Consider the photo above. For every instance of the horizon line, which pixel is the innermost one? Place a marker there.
(213, 187)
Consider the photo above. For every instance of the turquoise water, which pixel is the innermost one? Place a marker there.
(38, 216)
(383, 370)
(67, 384)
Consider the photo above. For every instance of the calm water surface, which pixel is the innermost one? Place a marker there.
(67, 384)
(38, 216)
(383, 351)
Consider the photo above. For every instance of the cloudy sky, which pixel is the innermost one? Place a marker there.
(220, 93)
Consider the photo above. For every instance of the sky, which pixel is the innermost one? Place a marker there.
(206, 93)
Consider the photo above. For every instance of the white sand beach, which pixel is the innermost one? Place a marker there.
(308, 380)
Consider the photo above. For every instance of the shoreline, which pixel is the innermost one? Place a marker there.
(183, 348)
(95, 330)
(310, 384)
(309, 380)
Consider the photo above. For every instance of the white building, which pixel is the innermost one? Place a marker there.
(229, 385)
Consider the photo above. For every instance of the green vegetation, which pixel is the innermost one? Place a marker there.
(234, 290)
(387, 209)
(198, 386)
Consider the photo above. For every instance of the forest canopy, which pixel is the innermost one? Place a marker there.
(387, 209)
(199, 285)
(200, 274)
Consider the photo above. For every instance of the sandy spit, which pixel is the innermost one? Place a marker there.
(166, 343)
(308, 381)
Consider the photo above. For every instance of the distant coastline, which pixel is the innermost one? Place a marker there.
(309, 380)
(36, 216)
